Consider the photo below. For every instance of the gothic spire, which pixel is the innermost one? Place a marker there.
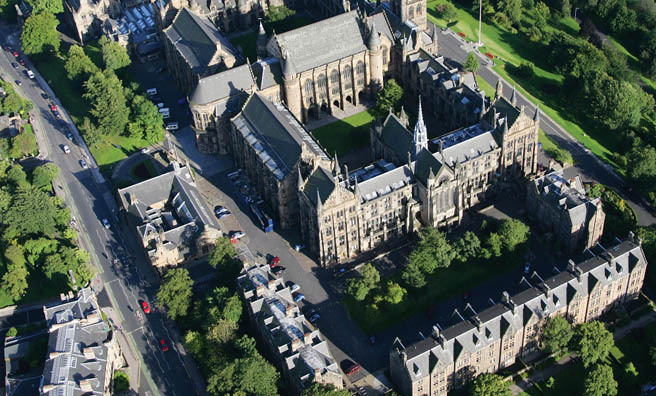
(536, 116)
(289, 70)
(374, 39)
(336, 169)
(404, 117)
(499, 90)
(300, 179)
(420, 135)
(262, 31)
(513, 97)
(480, 116)
(505, 125)
(346, 176)
(319, 206)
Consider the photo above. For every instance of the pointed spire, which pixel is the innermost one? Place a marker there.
(404, 116)
(431, 174)
(513, 97)
(336, 169)
(374, 38)
(420, 136)
(300, 179)
(505, 125)
(262, 31)
(434, 38)
(409, 159)
(483, 110)
(346, 176)
(289, 70)
(499, 90)
(356, 188)
(536, 116)
(319, 204)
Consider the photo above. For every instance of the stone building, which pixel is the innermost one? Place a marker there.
(273, 148)
(494, 338)
(561, 206)
(86, 17)
(294, 343)
(83, 351)
(329, 8)
(411, 10)
(170, 217)
(194, 49)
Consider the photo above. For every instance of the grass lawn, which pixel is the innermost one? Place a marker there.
(345, 135)
(487, 88)
(554, 151)
(115, 148)
(443, 284)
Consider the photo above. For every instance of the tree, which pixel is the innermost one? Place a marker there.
(32, 213)
(108, 103)
(489, 385)
(51, 6)
(78, 64)
(447, 11)
(359, 287)
(222, 331)
(512, 9)
(641, 166)
(115, 56)
(194, 343)
(249, 376)
(175, 292)
(222, 304)
(324, 390)
(17, 176)
(542, 14)
(630, 374)
(394, 293)
(389, 97)
(413, 276)
(91, 132)
(276, 16)
(15, 255)
(593, 342)
(145, 120)
(23, 145)
(471, 63)
(556, 334)
(600, 382)
(513, 233)
(54, 265)
(14, 281)
(222, 253)
(467, 247)
(12, 332)
(550, 383)
(433, 251)
(44, 175)
(121, 381)
(40, 34)
(494, 244)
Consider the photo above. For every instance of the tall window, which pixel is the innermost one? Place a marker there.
(334, 77)
(348, 77)
(419, 9)
(411, 12)
(321, 85)
(384, 55)
(308, 87)
(359, 69)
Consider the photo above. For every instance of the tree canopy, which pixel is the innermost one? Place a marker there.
(324, 390)
(44, 175)
(115, 56)
(145, 120)
(175, 292)
(390, 96)
(489, 385)
(108, 103)
(32, 212)
(513, 233)
(51, 6)
(40, 34)
(593, 342)
(78, 64)
(556, 334)
(599, 381)
(360, 286)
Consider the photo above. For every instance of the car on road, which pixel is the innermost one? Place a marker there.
(145, 307)
(237, 235)
(145, 150)
(30, 74)
(19, 83)
(293, 286)
(274, 261)
(106, 223)
(53, 107)
(298, 297)
(69, 136)
(67, 150)
(45, 96)
(15, 53)
(172, 126)
(83, 164)
(223, 215)
(278, 270)
(14, 65)
(160, 105)
(350, 367)
(219, 209)
(21, 61)
(163, 346)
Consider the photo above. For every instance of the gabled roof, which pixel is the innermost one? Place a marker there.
(307, 45)
(396, 136)
(320, 180)
(267, 73)
(505, 109)
(221, 86)
(426, 164)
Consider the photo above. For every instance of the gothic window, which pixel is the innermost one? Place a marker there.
(321, 82)
(412, 12)
(348, 79)
(419, 9)
(347, 71)
(308, 87)
(334, 77)
(359, 69)
(384, 55)
(360, 81)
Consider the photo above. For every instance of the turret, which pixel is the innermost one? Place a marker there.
(513, 97)
(375, 53)
(292, 86)
(261, 42)
(499, 90)
(536, 116)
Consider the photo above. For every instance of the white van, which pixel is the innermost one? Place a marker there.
(172, 126)
(30, 74)
(151, 91)
(164, 110)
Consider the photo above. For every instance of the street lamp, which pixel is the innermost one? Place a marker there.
(480, 21)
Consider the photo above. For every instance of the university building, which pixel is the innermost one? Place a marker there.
(494, 338)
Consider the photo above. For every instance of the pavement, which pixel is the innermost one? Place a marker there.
(590, 167)
(90, 198)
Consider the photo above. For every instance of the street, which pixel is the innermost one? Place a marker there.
(90, 199)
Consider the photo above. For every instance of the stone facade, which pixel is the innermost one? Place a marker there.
(562, 207)
(294, 343)
(490, 340)
(86, 17)
(411, 10)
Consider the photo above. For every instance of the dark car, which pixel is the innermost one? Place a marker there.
(339, 271)
(156, 98)
(14, 65)
(19, 83)
(45, 96)
(21, 61)
(278, 270)
(349, 367)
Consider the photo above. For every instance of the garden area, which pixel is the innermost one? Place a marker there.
(345, 135)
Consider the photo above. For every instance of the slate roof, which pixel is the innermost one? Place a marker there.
(221, 86)
(385, 183)
(267, 73)
(539, 299)
(424, 163)
(307, 45)
(320, 180)
(396, 136)
(275, 134)
(196, 38)
(505, 109)
(465, 144)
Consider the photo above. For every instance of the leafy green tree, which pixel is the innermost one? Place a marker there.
(641, 166)
(5, 200)
(513, 233)
(512, 9)
(15, 255)
(600, 382)
(54, 265)
(115, 56)
(44, 175)
(250, 376)
(194, 343)
(324, 390)
(361, 286)
(593, 342)
(494, 244)
(447, 11)
(92, 134)
(630, 376)
(12, 332)
(471, 63)
(542, 14)
(276, 18)
(413, 276)
(222, 331)
(145, 120)
(394, 293)
(550, 383)
(51, 6)
(432, 252)
(389, 97)
(175, 292)
(108, 103)
(467, 247)
(222, 253)
(222, 304)
(23, 145)
(17, 176)
(121, 381)
(556, 334)
(14, 280)
(32, 213)
(489, 385)
(78, 64)
(40, 34)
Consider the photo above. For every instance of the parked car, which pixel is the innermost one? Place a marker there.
(339, 271)
(350, 367)
(18, 82)
(145, 150)
(21, 61)
(14, 65)
(293, 286)
(83, 164)
(237, 235)
(166, 115)
(274, 261)
(156, 98)
(223, 215)
(278, 270)
(220, 209)
(163, 346)
(67, 150)
(151, 92)
(45, 96)
(106, 223)
(30, 74)
(69, 136)
(53, 107)
(145, 307)
(172, 126)
(298, 297)
(15, 53)
(314, 318)
(160, 105)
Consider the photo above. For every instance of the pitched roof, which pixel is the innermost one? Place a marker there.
(267, 73)
(464, 144)
(320, 180)
(221, 86)
(307, 45)
(396, 136)
(425, 164)
(505, 109)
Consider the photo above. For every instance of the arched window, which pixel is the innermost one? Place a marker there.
(334, 77)
(347, 71)
(419, 9)
(321, 81)
(384, 55)
(411, 12)
(359, 69)
(308, 87)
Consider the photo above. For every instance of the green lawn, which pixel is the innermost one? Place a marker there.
(345, 135)
(115, 148)
(487, 88)
(556, 152)
(443, 284)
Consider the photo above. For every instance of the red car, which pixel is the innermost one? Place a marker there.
(163, 346)
(354, 368)
(53, 108)
(22, 62)
(145, 307)
(15, 54)
(274, 262)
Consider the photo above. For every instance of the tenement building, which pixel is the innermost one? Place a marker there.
(295, 344)
(562, 207)
(82, 348)
(492, 339)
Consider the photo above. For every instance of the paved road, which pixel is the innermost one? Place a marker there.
(591, 168)
(90, 200)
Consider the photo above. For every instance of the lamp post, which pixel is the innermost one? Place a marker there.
(480, 21)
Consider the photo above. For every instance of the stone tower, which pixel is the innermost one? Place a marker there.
(411, 10)
(292, 85)
(375, 53)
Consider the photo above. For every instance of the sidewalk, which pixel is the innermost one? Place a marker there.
(132, 363)
(565, 361)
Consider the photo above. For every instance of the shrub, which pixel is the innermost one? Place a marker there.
(12, 332)
(524, 70)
